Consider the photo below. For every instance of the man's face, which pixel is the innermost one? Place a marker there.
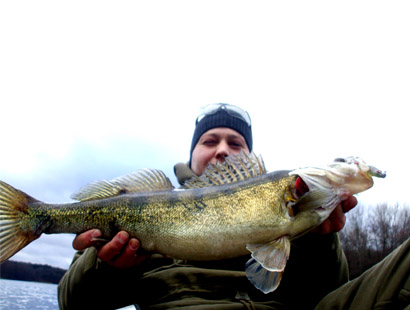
(214, 145)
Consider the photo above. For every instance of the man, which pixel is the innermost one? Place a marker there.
(118, 274)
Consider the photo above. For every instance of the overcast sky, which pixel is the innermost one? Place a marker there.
(93, 90)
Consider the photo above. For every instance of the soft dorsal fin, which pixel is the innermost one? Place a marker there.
(145, 180)
(235, 168)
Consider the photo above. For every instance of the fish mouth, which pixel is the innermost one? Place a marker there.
(374, 172)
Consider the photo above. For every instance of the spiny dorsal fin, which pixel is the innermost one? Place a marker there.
(145, 180)
(235, 168)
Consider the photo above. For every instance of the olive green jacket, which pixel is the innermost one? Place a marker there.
(316, 266)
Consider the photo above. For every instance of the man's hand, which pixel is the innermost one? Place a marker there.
(120, 252)
(337, 219)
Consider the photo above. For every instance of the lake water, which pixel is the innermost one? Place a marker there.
(22, 295)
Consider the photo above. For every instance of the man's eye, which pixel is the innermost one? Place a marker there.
(209, 142)
(236, 144)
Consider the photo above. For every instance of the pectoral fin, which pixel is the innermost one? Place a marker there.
(273, 255)
(264, 270)
(314, 199)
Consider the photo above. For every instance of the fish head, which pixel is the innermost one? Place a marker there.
(329, 185)
(345, 176)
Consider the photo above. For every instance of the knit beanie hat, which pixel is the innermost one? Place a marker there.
(222, 118)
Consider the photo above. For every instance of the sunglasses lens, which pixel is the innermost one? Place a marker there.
(232, 110)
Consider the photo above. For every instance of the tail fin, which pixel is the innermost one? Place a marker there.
(13, 208)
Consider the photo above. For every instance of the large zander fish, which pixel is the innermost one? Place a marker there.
(234, 208)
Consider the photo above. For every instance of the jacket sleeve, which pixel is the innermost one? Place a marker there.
(91, 284)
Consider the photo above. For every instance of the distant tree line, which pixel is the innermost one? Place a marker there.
(372, 232)
(30, 272)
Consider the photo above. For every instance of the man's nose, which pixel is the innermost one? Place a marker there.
(222, 151)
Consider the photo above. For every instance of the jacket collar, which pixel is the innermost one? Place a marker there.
(183, 172)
